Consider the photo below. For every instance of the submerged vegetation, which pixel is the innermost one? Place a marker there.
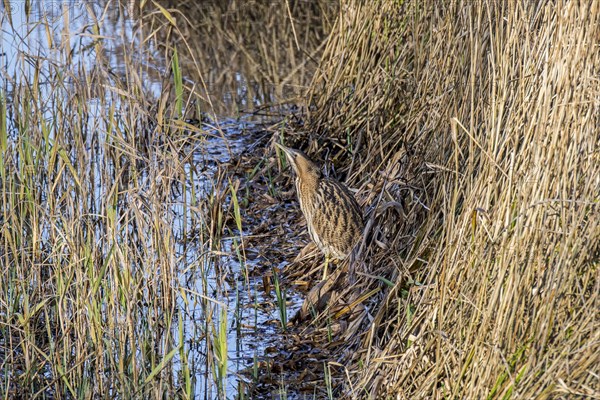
(140, 231)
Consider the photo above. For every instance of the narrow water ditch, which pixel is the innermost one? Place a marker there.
(241, 284)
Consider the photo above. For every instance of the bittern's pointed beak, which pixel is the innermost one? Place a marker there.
(289, 153)
(282, 147)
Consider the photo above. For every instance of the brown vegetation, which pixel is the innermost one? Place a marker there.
(244, 56)
(472, 130)
(120, 240)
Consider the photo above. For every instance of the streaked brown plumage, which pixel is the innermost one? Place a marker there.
(333, 217)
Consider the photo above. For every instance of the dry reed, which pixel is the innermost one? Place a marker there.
(247, 57)
(474, 135)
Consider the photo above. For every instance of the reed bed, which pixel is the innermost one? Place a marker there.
(90, 295)
(122, 244)
(472, 133)
(247, 57)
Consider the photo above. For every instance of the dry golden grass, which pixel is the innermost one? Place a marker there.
(474, 129)
(246, 56)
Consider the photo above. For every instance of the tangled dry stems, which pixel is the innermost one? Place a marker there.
(474, 134)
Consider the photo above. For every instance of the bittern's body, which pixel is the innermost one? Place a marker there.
(333, 216)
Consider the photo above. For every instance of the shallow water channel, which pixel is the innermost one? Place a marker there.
(237, 291)
(221, 306)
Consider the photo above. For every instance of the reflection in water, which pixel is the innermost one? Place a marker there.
(240, 56)
(113, 219)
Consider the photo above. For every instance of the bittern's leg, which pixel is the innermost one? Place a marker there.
(325, 267)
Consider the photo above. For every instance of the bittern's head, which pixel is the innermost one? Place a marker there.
(302, 165)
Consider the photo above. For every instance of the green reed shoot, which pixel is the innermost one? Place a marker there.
(220, 353)
(282, 392)
(281, 300)
(236, 205)
(178, 80)
(185, 368)
(255, 367)
(328, 381)
(233, 189)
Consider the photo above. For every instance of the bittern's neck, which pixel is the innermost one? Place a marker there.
(307, 182)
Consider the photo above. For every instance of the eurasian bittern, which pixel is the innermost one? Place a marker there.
(333, 217)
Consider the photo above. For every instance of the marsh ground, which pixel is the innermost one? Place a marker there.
(148, 230)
